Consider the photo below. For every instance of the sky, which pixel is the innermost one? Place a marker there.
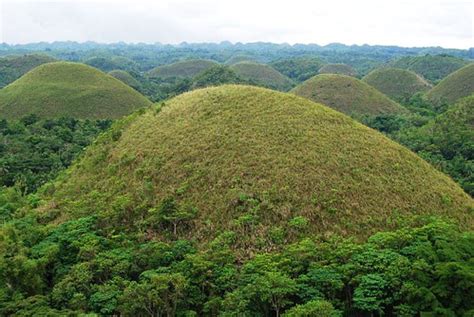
(409, 23)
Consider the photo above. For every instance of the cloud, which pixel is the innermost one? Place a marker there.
(406, 23)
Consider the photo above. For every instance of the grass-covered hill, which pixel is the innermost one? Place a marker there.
(69, 89)
(399, 84)
(125, 77)
(216, 76)
(13, 67)
(300, 68)
(448, 142)
(457, 85)
(432, 67)
(182, 69)
(262, 75)
(341, 69)
(348, 95)
(254, 161)
(240, 58)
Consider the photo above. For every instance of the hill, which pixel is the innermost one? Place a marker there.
(398, 84)
(448, 142)
(69, 89)
(341, 69)
(250, 160)
(262, 75)
(13, 67)
(182, 69)
(125, 77)
(348, 95)
(299, 69)
(240, 58)
(432, 67)
(457, 85)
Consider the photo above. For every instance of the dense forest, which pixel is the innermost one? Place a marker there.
(236, 201)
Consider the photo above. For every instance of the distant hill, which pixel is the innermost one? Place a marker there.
(340, 69)
(240, 58)
(69, 89)
(299, 69)
(107, 64)
(125, 77)
(250, 159)
(457, 85)
(13, 67)
(263, 75)
(431, 67)
(399, 84)
(182, 69)
(348, 95)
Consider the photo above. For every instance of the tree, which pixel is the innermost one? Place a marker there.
(157, 294)
(275, 288)
(320, 308)
(170, 212)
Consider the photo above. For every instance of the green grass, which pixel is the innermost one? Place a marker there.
(182, 69)
(399, 84)
(431, 67)
(69, 89)
(13, 67)
(348, 95)
(125, 77)
(263, 75)
(457, 85)
(340, 69)
(236, 153)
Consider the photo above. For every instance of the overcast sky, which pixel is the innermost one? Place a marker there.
(447, 23)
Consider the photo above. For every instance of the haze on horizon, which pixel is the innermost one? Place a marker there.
(384, 22)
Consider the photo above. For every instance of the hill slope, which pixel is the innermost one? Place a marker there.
(341, 69)
(13, 67)
(125, 77)
(347, 94)
(69, 89)
(262, 75)
(250, 159)
(457, 85)
(431, 67)
(398, 84)
(182, 69)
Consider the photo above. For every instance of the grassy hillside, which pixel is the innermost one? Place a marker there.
(216, 76)
(69, 89)
(341, 69)
(398, 84)
(13, 67)
(240, 58)
(182, 69)
(431, 67)
(125, 77)
(457, 85)
(448, 142)
(250, 160)
(262, 75)
(348, 95)
(299, 69)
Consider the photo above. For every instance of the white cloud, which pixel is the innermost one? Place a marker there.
(447, 23)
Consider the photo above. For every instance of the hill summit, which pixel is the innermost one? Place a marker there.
(399, 84)
(69, 89)
(251, 160)
(347, 94)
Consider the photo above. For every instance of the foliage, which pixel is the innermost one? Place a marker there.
(181, 69)
(33, 151)
(340, 69)
(299, 69)
(13, 67)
